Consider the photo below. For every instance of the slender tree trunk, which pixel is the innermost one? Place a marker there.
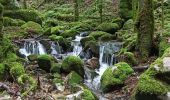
(162, 16)
(145, 27)
(1, 20)
(76, 10)
(100, 7)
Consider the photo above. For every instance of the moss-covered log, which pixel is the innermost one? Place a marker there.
(145, 27)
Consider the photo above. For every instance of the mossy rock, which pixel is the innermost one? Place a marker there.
(88, 95)
(128, 24)
(45, 62)
(32, 57)
(115, 76)
(118, 20)
(50, 22)
(25, 15)
(65, 17)
(108, 27)
(57, 30)
(16, 69)
(97, 34)
(163, 45)
(73, 63)
(107, 37)
(2, 71)
(12, 22)
(86, 39)
(69, 33)
(56, 68)
(73, 78)
(93, 46)
(129, 57)
(81, 27)
(32, 26)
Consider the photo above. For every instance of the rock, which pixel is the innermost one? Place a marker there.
(69, 33)
(107, 37)
(32, 57)
(93, 63)
(46, 45)
(57, 30)
(129, 57)
(115, 76)
(74, 78)
(128, 24)
(166, 63)
(32, 26)
(58, 82)
(25, 15)
(12, 22)
(73, 63)
(45, 62)
(97, 34)
(108, 27)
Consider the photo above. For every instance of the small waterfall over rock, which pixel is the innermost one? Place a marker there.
(32, 47)
(107, 58)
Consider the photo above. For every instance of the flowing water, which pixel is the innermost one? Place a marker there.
(107, 58)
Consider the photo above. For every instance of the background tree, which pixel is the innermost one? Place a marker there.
(145, 27)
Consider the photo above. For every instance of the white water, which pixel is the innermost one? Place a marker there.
(32, 47)
(107, 58)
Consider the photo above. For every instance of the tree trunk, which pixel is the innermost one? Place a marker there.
(76, 10)
(145, 27)
(1, 20)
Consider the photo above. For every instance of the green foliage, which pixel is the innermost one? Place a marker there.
(25, 15)
(56, 68)
(115, 76)
(12, 22)
(74, 78)
(88, 95)
(69, 33)
(57, 30)
(129, 57)
(97, 34)
(32, 26)
(73, 63)
(163, 45)
(108, 27)
(16, 69)
(2, 71)
(125, 9)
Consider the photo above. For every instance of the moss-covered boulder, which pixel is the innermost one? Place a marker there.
(86, 39)
(16, 69)
(25, 15)
(87, 95)
(12, 22)
(108, 27)
(55, 68)
(57, 30)
(93, 46)
(115, 76)
(32, 57)
(97, 34)
(73, 63)
(128, 24)
(107, 37)
(73, 78)
(45, 62)
(69, 33)
(129, 57)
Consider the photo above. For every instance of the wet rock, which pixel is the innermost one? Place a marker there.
(46, 45)
(108, 27)
(97, 34)
(86, 39)
(115, 76)
(73, 63)
(93, 63)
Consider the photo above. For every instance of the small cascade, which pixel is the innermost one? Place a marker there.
(56, 50)
(107, 58)
(32, 47)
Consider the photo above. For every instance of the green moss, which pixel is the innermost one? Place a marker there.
(115, 76)
(163, 45)
(2, 71)
(108, 27)
(74, 78)
(73, 63)
(128, 24)
(57, 30)
(26, 15)
(107, 37)
(88, 95)
(130, 58)
(45, 62)
(65, 17)
(83, 27)
(56, 38)
(12, 22)
(32, 26)
(86, 39)
(56, 68)
(69, 33)
(32, 57)
(97, 34)
(17, 69)
(93, 46)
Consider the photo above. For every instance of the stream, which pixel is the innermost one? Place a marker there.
(92, 78)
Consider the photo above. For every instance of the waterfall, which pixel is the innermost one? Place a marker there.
(32, 47)
(107, 58)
